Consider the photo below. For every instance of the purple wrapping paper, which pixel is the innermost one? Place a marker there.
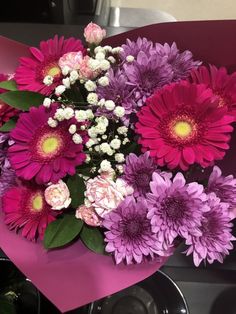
(74, 276)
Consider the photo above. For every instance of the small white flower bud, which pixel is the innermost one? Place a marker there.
(60, 90)
(66, 82)
(68, 113)
(48, 80)
(119, 111)
(100, 56)
(109, 105)
(47, 102)
(104, 65)
(92, 98)
(120, 168)
(88, 159)
(111, 59)
(80, 115)
(122, 130)
(77, 139)
(65, 70)
(90, 86)
(119, 157)
(72, 129)
(103, 81)
(73, 76)
(52, 123)
(92, 132)
(101, 102)
(130, 58)
(59, 114)
(89, 114)
(115, 143)
(105, 165)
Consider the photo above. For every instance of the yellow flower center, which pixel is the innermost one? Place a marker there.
(182, 129)
(50, 145)
(37, 203)
(54, 71)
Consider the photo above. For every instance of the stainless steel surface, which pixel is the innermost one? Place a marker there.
(136, 17)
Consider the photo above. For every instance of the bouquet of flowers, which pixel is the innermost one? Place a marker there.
(115, 147)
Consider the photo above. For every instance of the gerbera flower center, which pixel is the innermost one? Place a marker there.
(50, 144)
(52, 69)
(37, 203)
(182, 128)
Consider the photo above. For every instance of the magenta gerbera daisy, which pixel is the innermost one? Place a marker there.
(25, 208)
(42, 152)
(44, 62)
(222, 84)
(182, 124)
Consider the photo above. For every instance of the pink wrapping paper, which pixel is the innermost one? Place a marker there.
(73, 276)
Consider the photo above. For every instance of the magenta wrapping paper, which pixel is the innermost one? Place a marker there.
(73, 276)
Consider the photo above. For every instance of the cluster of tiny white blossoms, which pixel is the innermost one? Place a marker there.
(104, 139)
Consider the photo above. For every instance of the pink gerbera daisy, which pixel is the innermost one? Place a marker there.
(182, 124)
(42, 152)
(44, 62)
(222, 84)
(25, 208)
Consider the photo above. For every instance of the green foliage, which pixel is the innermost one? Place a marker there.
(77, 188)
(10, 124)
(22, 100)
(62, 231)
(8, 85)
(93, 239)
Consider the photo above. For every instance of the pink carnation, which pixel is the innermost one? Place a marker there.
(94, 34)
(85, 71)
(58, 195)
(88, 215)
(105, 194)
(71, 60)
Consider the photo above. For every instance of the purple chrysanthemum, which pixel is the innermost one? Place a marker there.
(118, 90)
(214, 242)
(130, 237)
(175, 208)
(148, 73)
(138, 172)
(224, 188)
(7, 175)
(181, 62)
(134, 47)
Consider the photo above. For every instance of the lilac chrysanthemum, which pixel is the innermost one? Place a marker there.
(224, 188)
(7, 175)
(214, 242)
(175, 208)
(119, 91)
(134, 47)
(148, 73)
(138, 172)
(181, 62)
(129, 236)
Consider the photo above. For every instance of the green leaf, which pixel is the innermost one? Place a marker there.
(62, 231)
(93, 239)
(22, 100)
(10, 124)
(77, 188)
(9, 85)
(6, 306)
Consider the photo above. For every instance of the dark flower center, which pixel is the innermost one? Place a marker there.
(174, 208)
(133, 228)
(143, 179)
